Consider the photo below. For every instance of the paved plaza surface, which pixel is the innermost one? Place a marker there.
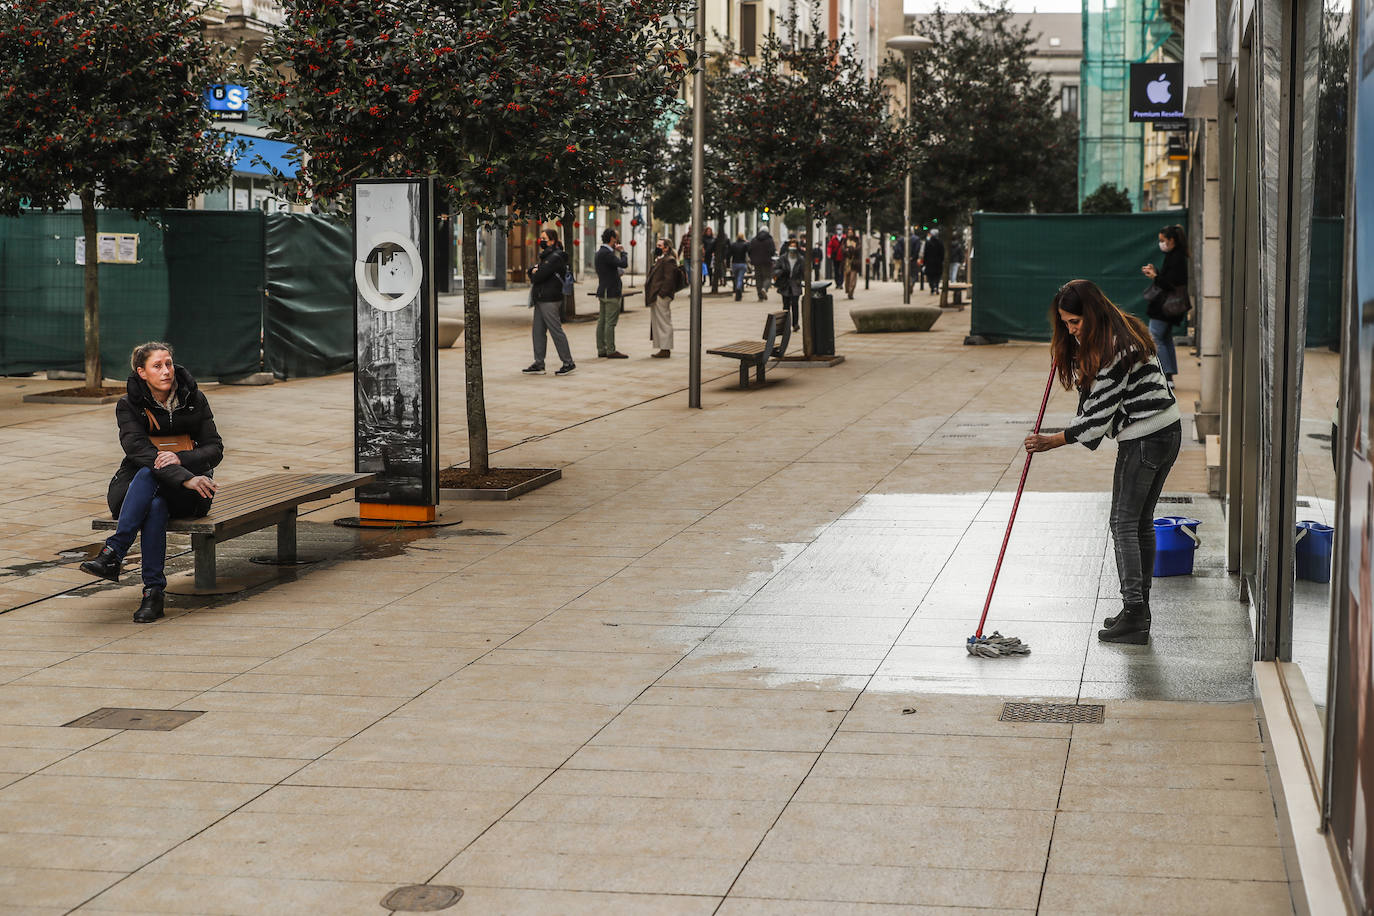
(717, 668)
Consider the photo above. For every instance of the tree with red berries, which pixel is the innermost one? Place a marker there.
(517, 105)
(804, 126)
(102, 100)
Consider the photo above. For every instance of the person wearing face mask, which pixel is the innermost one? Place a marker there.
(1171, 275)
(546, 280)
(789, 275)
(1109, 357)
(154, 483)
(665, 280)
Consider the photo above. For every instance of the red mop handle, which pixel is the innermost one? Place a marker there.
(1025, 469)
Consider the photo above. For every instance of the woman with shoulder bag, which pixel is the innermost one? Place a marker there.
(171, 447)
(665, 280)
(1166, 300)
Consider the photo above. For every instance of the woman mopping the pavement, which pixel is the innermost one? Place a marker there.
(157, 482)
(1110, 358)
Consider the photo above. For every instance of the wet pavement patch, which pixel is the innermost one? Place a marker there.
(148, 720)
(1060, 713)
(422, 898)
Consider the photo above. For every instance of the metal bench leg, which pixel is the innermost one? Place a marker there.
(744, 373)
(204, 547)
(286, 537)
(762, 363)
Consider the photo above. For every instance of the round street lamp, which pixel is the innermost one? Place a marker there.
(908, 44)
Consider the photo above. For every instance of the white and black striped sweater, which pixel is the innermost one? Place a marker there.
(1128, 399)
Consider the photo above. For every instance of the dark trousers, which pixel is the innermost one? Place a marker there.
(1142, 465)
(763, 273)
(144, 511)
(793, 304)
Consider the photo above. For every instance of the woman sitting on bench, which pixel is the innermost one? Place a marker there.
(170, 449)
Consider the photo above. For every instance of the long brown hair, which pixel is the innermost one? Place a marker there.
(1105, 332)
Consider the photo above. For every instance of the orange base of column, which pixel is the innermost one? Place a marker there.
(387, 515)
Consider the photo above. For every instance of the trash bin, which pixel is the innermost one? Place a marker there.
(822, 320)
(1313, 553)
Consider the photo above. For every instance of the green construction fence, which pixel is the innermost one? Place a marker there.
(233, 292)
(1021, 260)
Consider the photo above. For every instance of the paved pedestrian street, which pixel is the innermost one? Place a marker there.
(719, 667)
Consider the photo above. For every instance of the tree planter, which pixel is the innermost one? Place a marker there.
(496, 483)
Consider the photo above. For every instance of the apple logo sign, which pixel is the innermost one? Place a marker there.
(1158, 91)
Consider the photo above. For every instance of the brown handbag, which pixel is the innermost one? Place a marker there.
(167, 442)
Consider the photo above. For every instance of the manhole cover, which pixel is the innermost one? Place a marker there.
(422, 898)
(148, 720)
(1066, 713)
(1186, 500)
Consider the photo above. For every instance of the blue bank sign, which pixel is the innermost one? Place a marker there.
(227, 102)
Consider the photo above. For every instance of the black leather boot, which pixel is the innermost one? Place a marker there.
(1111, 621)
(104, 564)
(1131, 626)
(150, 608)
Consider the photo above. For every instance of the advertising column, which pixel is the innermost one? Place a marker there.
(395, 380)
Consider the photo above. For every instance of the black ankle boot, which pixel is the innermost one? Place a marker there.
(1131, 626)
(150, 608)
(104, 564)
(1111, 621)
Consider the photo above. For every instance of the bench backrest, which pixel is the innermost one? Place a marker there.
(777, 332)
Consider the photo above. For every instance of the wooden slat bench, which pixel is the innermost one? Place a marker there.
(777, 333)
(958, 290)
(248, 505)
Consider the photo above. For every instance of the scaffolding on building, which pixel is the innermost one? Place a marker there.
(1116, 33)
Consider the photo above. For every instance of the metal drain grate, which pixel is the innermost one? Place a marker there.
(1065, 713)
(422, 898)
(1185, 500)
(1303, 504)
(148, 720)
(957, 436)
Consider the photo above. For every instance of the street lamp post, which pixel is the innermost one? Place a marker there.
(698, 189)
(908, 45)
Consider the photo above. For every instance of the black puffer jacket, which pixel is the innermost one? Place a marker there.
(547, 276)
(191, 415)
(1171, 275)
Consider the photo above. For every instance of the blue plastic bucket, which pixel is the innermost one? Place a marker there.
(1176, 541)
(1314, 551)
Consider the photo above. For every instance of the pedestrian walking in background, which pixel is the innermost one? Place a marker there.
(956, 258)
(1171, 276)
(1110, 358)
(834, 255)
(933, 261)
(610, 263)
(154, 483)
(739, 263)
(789, 275)
(853, 262)
(878, 259)
(546, 295)
(708, 256)
(665, 280)
(762, 251)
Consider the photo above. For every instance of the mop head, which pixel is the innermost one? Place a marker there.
(996, 646)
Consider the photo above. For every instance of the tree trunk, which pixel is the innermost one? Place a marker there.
(570, 251)
(91, 292)
(806, 289)
(478, 457)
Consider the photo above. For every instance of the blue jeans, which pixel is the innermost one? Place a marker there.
(144, 511)
(739, 270)
(1163, 333)
(1142, 465)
